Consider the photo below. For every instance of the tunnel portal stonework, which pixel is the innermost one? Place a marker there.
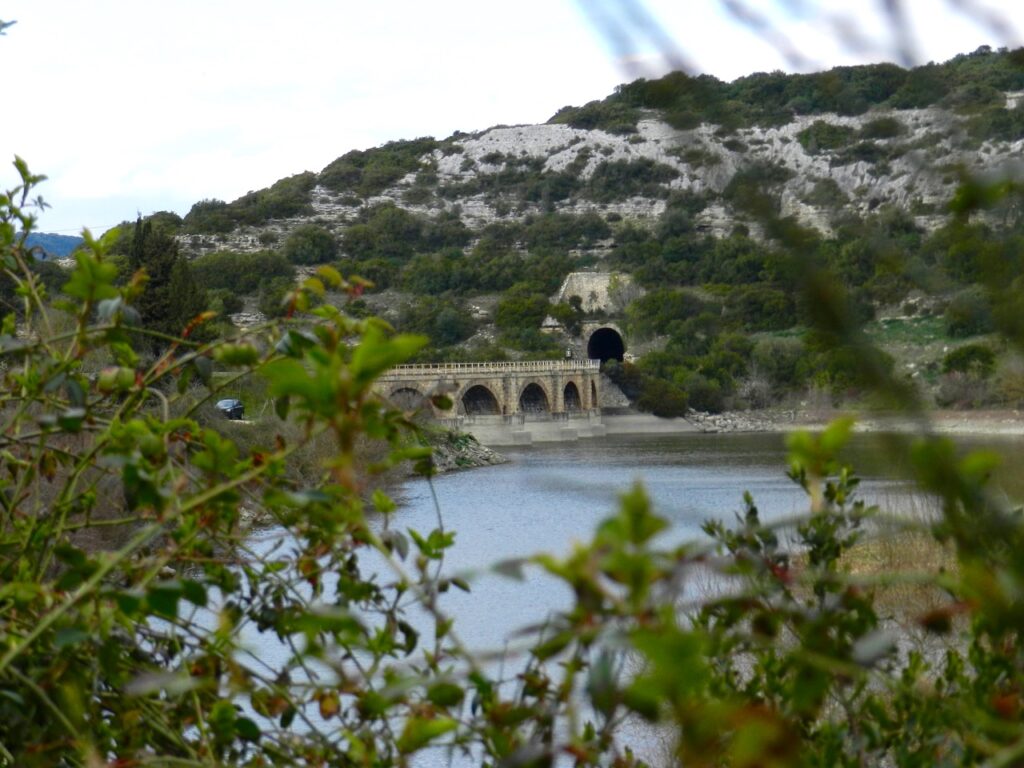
(487, 399)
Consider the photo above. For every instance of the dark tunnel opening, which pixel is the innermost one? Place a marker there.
(605, 344)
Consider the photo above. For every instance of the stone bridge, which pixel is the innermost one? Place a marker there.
(534, 390)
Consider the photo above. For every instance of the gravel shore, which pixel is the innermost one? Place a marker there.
(990, 422)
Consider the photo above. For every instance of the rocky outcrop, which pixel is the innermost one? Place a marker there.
(912, 166)
(608, 292)
(741, 421)
(458, 450)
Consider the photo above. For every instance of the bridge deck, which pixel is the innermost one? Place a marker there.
(520, 366)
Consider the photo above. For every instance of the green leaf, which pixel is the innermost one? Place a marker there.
(289, 377)
(204, 368)
(445, 694)
(69, 636)
(162, 598)
(281, 407)
(376, 354)
(194, 592)
(510, 569)
(247, 730)
(419, 731)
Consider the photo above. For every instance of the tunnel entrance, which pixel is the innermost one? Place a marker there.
(605, 344)
(479, 401)
(533, 400)
(572, 398)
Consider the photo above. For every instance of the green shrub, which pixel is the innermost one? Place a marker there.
(240, 273)
(703, 393)
(754, 187)
(385, 232)
(272, 294)
(821, 136)
(380, 272)
(882, 128)
(827, 194)
(662, 398)
(287, 198)
(977, 359)
(369, 172)
(609, 115)
(224, 301)
(310, 244)
(622, 179)
(437, 273)
(973, 97)
(781, 360)
(968, 314)
(443, 321)
(997, 124)
(661, 311)
(521, 309)
(209, 217)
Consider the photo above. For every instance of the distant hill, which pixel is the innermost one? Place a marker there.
(825, 145)
(684, 184)
(54, 246)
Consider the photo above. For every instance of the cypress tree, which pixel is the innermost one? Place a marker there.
(171, 297)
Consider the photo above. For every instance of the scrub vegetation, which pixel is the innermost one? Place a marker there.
(719, 293)
(134, 593)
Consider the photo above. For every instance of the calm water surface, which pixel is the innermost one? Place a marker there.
(550, 496)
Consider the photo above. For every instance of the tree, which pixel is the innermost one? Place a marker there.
(170, 299)
(310, 244)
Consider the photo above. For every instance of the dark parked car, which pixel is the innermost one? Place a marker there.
(233, 409)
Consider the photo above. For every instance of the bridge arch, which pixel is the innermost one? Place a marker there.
(571, 397)
(479, 400)
(408, 399)
(606, 344)
(534, 399)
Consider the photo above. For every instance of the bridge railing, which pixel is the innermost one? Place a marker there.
(541, 366)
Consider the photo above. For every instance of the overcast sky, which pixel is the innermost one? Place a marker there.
(136, 105)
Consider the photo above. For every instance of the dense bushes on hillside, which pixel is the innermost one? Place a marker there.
(444, 321)
(286, 198)
(394, 234)
(368, 172)
(821, 136)
(978, 359)
(51, 278)
(965, 82)
(622, 179)
(241, 273)
(310, 244)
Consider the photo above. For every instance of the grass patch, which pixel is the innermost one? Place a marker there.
(901, 559)
(899, 551)
(916, 331)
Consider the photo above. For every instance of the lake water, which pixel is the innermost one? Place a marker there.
(550, 496)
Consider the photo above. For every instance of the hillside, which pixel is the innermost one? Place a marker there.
(673, 182)
(846, 141)
(54, 246)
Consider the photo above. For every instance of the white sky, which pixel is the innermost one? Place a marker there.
(138, 105)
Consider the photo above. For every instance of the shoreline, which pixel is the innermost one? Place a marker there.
(1001, 422)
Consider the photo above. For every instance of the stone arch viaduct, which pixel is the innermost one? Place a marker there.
(512, 402)
(531, 390)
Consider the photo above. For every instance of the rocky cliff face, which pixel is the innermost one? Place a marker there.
(820, 166)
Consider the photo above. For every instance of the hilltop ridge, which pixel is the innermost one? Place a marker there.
(835, 143)
(468, 239)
